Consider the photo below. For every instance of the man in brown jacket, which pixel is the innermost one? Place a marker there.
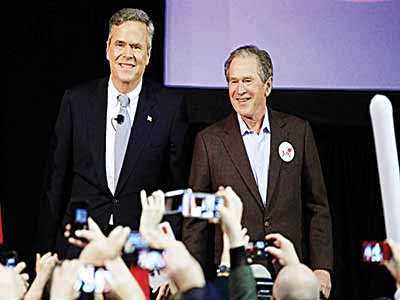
(270, 159)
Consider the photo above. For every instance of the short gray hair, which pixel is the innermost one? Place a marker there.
(132, 14)
(263, 58)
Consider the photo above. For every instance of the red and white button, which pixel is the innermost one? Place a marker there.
(286, 151)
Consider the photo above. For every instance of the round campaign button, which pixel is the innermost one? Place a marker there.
(286, 151)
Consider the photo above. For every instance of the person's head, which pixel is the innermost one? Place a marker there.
(248, 71)
(128, 47)
(296, 282)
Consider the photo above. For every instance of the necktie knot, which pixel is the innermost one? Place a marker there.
(123, 100)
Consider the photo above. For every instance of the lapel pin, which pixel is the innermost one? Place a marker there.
(149, 119)
(286, 151)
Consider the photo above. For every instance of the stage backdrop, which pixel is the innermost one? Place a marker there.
(331, 44)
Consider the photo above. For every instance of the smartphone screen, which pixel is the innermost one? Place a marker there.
(202, 205)
(80, 217)
(151, 259)
(137, 252)
(9, 258)
(375, 251)
(93, 279)
(257, 249)
(134, 243)
(174, 201)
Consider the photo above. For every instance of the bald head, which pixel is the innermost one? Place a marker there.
(296, 282)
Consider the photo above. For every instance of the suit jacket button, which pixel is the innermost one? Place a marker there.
(115, 201)
(267, 224)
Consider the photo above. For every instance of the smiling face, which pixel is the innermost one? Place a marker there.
(247, 92)
(128, 54)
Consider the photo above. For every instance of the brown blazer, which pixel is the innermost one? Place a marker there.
(297, 204)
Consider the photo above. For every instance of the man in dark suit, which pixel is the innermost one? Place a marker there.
(83, 164)
(271, 161)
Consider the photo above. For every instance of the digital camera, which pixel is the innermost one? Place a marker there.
(137, 252)
(194, 205)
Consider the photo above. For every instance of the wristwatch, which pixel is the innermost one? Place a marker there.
(223, 270)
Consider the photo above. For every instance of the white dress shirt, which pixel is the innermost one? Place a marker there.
(258, 151)
(113, 108)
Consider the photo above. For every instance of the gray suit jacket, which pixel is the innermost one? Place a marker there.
(297, 204)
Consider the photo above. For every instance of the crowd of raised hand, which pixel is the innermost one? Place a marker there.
(56, 280)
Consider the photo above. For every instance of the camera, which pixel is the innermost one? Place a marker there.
(375, 251)
(174, 200)
(256, 250)
(9, 258)
(80, 217)
(93, 279)
(195, 205)
(137, 252)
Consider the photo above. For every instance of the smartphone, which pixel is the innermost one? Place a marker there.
(201, 205)
(9, 258)
(256, 250)
(92, 279)
(80, 217)
(174, 201)
(138, 253)
(151, 259)
(134, 243)
(166, 229)
(375, 251)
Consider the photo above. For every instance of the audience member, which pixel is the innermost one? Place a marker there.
(8, 284)
(113, 137)
(63, 280)
(241, 281)
(271, 161)
(393, 265)
(295, 281)
(44, 270)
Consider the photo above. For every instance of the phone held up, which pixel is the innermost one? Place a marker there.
(92, 279)
(80, 217)
(137, 252)
(8, 258)
(256, 250)
(375, 251)
(194, 205)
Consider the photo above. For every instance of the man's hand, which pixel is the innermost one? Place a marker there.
(22, 279)
(101, 248)
(93, 233)
(8, 284)
(325, 281)
(123, 284)
(44, 267)
(282, 249)
(153, 208)
(393, 265)
(231, 214)
(64, 278)
(179, 261)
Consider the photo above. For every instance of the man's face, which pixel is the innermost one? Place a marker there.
(128, 54)
(247, 92)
